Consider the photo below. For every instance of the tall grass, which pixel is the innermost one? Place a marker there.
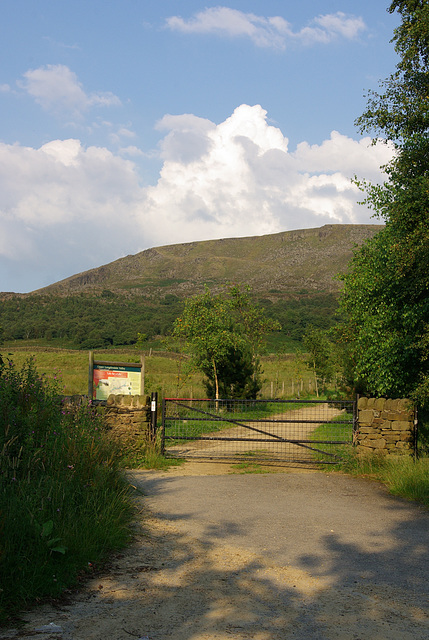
(63, 501)
(404, 476)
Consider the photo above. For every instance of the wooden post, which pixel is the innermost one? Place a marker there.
(91, 376)
(142, 361)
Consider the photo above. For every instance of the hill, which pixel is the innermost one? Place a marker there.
(282, 263)
(291, 274)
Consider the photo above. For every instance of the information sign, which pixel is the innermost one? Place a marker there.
(115, 380)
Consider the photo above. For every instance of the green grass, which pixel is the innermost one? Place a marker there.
(64, 502)
(333, 431)
(404, 476)
(285, 375)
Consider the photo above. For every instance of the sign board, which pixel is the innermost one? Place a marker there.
(117, 378)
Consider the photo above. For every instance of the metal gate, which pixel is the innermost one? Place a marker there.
(272, 431)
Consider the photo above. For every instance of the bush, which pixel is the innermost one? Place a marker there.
(63, 501)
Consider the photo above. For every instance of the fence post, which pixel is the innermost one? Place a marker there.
(90, 376)
(153, 411)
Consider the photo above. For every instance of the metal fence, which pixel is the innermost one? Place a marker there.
(258, 430)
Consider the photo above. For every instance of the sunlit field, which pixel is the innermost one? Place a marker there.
(285, 376)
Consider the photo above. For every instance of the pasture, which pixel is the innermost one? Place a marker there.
(284, 375)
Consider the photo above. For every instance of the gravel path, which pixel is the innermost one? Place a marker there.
(217, 555)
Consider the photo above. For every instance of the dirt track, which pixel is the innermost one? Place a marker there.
(309, 556)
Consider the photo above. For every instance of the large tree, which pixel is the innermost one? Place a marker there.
(386, 291)
(223, 333)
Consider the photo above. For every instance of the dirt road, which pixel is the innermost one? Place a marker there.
(309, 556)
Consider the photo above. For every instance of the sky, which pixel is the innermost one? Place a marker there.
(132, 124)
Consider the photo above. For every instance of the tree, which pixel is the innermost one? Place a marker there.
(321, 357)
(386, 291)
(224, 333)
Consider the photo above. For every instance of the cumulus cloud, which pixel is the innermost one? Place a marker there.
(275, 32)
(238, 178)
(57, 89)
(65, 208)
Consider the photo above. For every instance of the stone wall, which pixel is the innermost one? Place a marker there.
(385, 426)
(128, 418)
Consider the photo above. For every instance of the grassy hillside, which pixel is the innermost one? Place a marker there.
(291, 274)
(284, 376)
(274, 264)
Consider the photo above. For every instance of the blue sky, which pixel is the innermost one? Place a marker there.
(132, 124)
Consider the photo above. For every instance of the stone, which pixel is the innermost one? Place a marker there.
(362, 403)
(405, 405)
(402, 445)
(366, 416)
(380, 403)
(380, 443)
(401, 425)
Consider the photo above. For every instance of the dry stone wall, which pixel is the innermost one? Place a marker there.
(385, 426)
(128, 418)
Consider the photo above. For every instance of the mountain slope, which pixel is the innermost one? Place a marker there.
(281, 263)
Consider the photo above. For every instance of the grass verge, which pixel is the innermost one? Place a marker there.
(64, 503)
(333, 439)
(403, 476)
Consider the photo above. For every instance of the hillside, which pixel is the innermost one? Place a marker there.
(281, 263)
(291, 274)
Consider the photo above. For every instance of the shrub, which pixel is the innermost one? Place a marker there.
(63, 501)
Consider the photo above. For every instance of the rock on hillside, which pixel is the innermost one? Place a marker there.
(290, 261)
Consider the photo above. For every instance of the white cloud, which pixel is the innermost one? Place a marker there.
(57, 89)
(238, 178)
(275, 32)
(65, 208)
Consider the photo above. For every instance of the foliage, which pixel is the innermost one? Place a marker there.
(85, 321)
(385, 298)
(63, 502)
(109, 319)
(224, 334)
(321, 357)
(238, 373)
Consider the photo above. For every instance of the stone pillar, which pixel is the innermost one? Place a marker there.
(128, 419)
(385, 426)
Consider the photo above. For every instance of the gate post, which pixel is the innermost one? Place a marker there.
(153, 411)
(355, 420)
(164, 413)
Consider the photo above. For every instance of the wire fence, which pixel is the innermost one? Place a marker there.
(263, 430)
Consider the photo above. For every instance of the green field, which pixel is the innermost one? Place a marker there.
(285, 376)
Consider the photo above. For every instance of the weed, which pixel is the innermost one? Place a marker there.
(63, 500)
(404, 476)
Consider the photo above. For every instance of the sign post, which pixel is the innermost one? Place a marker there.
(117, 378)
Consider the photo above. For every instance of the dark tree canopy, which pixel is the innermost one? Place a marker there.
(386, 294)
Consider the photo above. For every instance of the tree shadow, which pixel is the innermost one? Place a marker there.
(206, 582)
